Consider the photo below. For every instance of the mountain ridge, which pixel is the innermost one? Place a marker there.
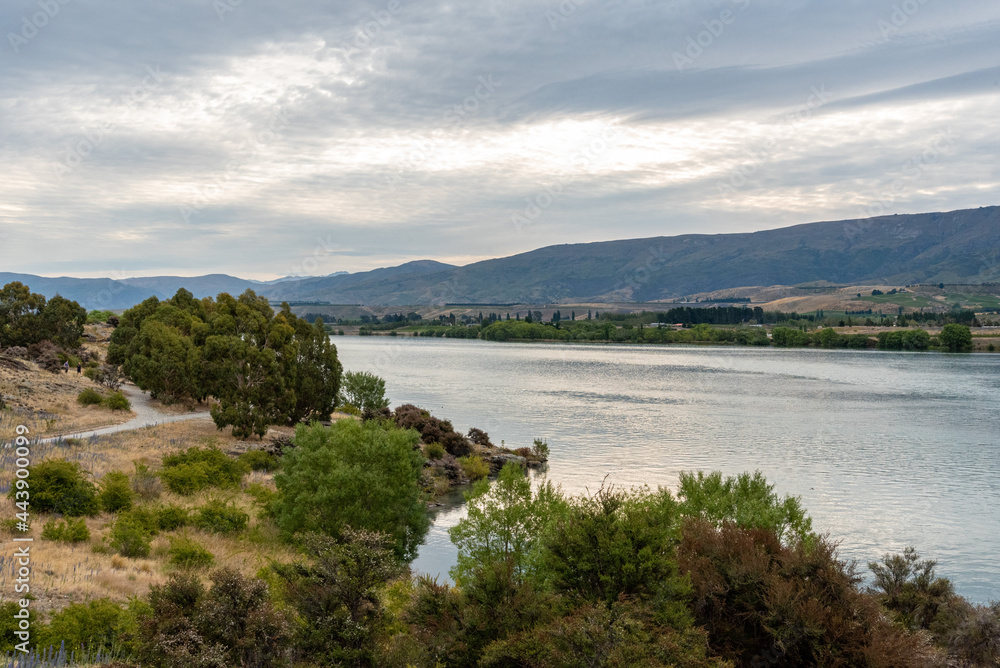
(953, 247)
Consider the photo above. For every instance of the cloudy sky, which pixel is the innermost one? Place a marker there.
(264, 138)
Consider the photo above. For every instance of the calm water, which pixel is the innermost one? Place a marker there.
(885, 449)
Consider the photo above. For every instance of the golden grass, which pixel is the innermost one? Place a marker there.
(45, 402)
(65, 573)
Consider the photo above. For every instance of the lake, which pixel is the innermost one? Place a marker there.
(885, 449)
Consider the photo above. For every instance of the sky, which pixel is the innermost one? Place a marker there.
(265, 138)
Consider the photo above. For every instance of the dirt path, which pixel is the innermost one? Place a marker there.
(145, 416)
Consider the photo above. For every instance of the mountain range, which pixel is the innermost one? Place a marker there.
(951, 247)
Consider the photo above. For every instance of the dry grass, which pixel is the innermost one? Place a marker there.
(45, 402)
(66, 573)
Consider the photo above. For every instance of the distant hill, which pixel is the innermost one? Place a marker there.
(953, 247)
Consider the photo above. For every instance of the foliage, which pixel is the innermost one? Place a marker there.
(956, 338)
(504, 523)
(101, 624)
(60, 486)
(27, 318)
(906, 586)
(145, 483)
(338, 596)
(767, 603)
(116, 492)
(9, 624)
(117, 402)
(474, 467)
(231, 624)
(131, 535)
(263, 368)
(217, 516)
(747, 499)
(259, 460)
(195, 469)
(432, 429)
(89, 397)
(540, 449)
(434, 450)
(172, 517)
(186, 553)
(363, 475)
(364, 390)
(66, 531)
(105, 375)
(617, 544)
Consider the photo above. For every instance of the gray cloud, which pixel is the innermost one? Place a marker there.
(176, 137)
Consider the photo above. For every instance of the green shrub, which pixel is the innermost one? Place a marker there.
(117, 402)
(131, 536)
(362, 475)
(66, 531)
(116, 492)
(60, 486)
(474, 467)
(90, 397)
(219, 517)
(9, 624)
(96, 625)
(259, 460)
(435, 451)
(170, 518)
(145, 483)
(540, 449)
(185, 553)
(191, 471)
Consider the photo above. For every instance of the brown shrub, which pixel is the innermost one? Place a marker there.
(763, 603)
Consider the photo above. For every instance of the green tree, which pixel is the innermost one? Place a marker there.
(313, 372)
(364, 391)
(503, 524)
(956, 338)
(164, 362)
(359, 475)
(63, 321)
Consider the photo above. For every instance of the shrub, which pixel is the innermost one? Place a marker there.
(116, 492)
(747, 499)
(9, 625)
(59, 486)
(191, 471)
(435, 451)
(765, 603)
(98, 625)
(89, 397)
(117, 402)
(431, 429)
(170, 518)
(474, 467)
(131, 536)
(338, 596)
(66, 531)
(232, 624)
(145, 483)
(259, 460)
(540, 449)
(480, 438)
(185, 553)
(219, 517)
(363, 475)
(906, 586)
